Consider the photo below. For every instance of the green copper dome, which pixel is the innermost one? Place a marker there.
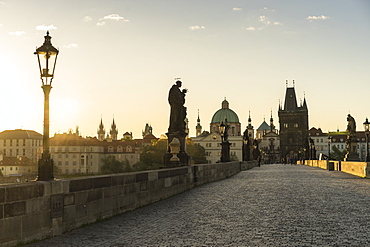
(225, 112)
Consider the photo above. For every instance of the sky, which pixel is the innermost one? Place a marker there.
(119, 58)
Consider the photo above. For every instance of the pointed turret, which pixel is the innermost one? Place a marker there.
(113, 131)
(272, 126)
(198, 128)
(304, 106)
(101, 131)
(250, 127)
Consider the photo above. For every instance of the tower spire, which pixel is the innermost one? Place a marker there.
(198, 128)
(101, 130)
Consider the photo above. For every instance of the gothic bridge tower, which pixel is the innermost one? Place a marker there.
(293, 120)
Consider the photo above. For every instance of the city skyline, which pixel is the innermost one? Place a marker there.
(119, 59)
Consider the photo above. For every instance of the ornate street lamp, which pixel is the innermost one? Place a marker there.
(47, 56)
(329, 142)
(225, 145)
(367, 131)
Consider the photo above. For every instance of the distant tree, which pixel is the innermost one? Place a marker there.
(111, 165)
(196, 152)
(126, 166)
(337, 154)
(153, 155)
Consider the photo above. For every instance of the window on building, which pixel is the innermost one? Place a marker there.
(4, 143)
(74, 163)
(24, 152)
(24, 142)
(11, 142)
(11, 168)
(10, 152)
(17, 142)
(59, 163)
(129, 149)
(110, 149)
(66, 163)
(67, 171)
(67, 155)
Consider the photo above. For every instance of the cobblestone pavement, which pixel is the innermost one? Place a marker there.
(272, 205)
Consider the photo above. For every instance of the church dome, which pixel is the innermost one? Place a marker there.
(225, 112)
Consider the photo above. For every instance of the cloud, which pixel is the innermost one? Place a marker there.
(114, 17)
(321, 17)
(237, 9)
(102, 23)
(17, 33)
(264, 20)
(196, 27)
(46, 28)
(71, 46)
(267, 9)
(1, 25)
(278, 23)
(87, 19)
(250, 28)
(2, 3)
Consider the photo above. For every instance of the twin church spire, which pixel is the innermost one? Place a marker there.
(102, 133)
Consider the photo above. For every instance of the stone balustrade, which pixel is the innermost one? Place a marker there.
(38, 210)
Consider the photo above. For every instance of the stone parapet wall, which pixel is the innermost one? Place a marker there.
(37, 210)
(361, 169)
(356, 168)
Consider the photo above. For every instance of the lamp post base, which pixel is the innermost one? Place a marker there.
(45, 168)
(225, 151)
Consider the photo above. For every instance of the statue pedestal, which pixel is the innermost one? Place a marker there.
(182, 155)
(352, 154)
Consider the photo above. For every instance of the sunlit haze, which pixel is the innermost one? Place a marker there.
(119, 59)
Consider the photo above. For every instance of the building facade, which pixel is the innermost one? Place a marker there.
(19, 142)
(211, 141)
(73, 154)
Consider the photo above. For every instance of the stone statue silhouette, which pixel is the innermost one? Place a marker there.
(176, 99)
(351, 126)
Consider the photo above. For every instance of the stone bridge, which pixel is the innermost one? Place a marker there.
(272, 205)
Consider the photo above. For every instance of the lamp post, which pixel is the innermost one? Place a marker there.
(329, 142)
(367, 131)
(47, 56)
(225, 145)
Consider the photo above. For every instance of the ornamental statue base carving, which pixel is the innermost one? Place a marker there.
(182, 155)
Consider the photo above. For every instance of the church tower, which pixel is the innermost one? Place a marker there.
(293, 120)
(101, 131)
(113, 131)
(198, 128)
(272, 126)
(250, 127)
